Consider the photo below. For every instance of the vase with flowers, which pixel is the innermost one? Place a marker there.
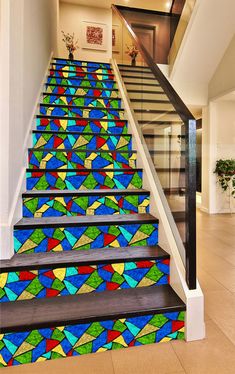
(133, 52)
(70, 43)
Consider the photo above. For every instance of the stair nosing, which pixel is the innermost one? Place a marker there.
(152, 101)
(81, 96)
(57, 63)
(81, 78)
(78, 132)
(83, 170)
(98, 192)
(77, 87)
(80, 118)
(134, 67)
(82, 107)
(80, 72)
(147, 92)
(161, 122)
(67, 59)
(53, 260)
(143, 84)
(95, 306)
(79, 221)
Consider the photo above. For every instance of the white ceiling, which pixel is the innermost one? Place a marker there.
(228, 97)
(208, 35)
(160, 5)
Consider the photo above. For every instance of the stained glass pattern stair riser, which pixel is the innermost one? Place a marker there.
(82, 125)
(50, 239)
(24, 285)
(56, 342)
(82, 141)
(84, 205)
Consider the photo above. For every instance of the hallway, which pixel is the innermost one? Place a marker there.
(216, 354)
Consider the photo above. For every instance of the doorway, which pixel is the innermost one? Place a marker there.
(146, 35)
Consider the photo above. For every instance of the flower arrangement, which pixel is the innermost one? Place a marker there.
(70, 43)
(225, 170)
(133, 52)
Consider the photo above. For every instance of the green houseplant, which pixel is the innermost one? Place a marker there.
(225, 170)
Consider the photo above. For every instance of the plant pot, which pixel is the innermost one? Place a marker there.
(71, 57)
(133, 61)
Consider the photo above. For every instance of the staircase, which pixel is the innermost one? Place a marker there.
(88, 274)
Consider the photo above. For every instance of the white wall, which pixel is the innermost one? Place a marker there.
(218, 143)
(28, 36)
(71, 18)
(223, 80)
(210, 30)
(218, 137)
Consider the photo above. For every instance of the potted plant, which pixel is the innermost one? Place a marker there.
(225, 170)
(133, 52)
(70, 43)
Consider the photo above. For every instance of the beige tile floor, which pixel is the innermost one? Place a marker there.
(214, 355)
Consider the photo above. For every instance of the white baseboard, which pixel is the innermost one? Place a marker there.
(6, 230)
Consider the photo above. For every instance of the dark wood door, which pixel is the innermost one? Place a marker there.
(146, 34)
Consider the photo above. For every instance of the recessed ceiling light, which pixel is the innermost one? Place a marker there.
(168, 4)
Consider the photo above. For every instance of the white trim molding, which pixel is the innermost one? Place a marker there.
(15, 214)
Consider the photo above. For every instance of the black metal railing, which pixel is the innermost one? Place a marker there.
(184, 191)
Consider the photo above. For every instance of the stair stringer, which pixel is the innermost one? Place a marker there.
(169, 238)
(6, 237)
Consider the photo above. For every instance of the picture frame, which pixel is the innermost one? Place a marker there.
(116, 38)
(94, 36)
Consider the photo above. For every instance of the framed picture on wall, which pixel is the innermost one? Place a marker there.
(94, 35)
(116, 38)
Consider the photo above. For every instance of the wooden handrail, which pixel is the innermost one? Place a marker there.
(176, 101)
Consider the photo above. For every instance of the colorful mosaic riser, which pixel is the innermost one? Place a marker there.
(73, 111)
(86, 180)
(24, 285)
(81, 69)
(63, 90)
(82, 125)
(55, 206)
(49, 343)
(81, 101)
(82, 83)
(81, 237)
(83, 75)
(89, 65)
(82, 141)
(41, 159)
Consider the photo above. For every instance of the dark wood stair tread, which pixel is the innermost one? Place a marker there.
(81, 107)
(71, 61)
(146, 92)
(152, 101)
(52, 260)
(80, 72)
(160, 122)
(77, 78)
(80, 118)
(133, 67)
(97, 306)
(80, 96)
(99, 220)
(42, 149)
(139, 77)
(179, 216)
(143, 84)
(158, 111)
(77, 87)
(98, 192)
(78, 133)
(83, 170)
